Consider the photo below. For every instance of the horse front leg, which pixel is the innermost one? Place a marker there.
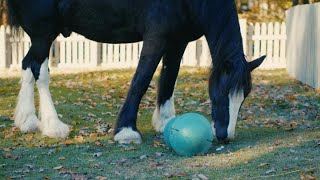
(126, 130)
(25, 118)
(165, 109)
(51, 125)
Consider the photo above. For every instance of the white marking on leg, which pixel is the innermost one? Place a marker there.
(127, 136)
(235, 101)
(163, 115)
(25, 118)
(213, 129)
(50, 124)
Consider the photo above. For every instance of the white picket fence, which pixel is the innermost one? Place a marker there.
(304, 43)
(78, 52)
(268, 39)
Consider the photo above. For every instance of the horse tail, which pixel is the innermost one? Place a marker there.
(13, 17)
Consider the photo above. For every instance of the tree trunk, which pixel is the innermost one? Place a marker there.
(238, 3)
(3, 12)
(295, 2)
(305, 1)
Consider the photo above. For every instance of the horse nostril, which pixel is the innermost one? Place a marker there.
(226, 141)
(223, 141)
(222, 138)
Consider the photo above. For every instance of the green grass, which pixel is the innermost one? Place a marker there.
(277, 136)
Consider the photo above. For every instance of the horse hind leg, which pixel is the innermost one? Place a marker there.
(165, 109)
(25, 118)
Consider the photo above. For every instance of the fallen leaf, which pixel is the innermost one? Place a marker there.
(58, 150)
(78, 177)
(307, 177)
(98, 154)
(292, 151)
(143, 157)
(7, 149)
(272, 170)
(93, 135)
(58, 168)
(175, 175)
(98, 143)
(157, 144)
(79, 139)
(159, 154)
(263, 164)
(291, 98)
(68, 142)
(130, 148)
(220, 148)
(156, 165)
(203, 177)
(62, 158)
(28, 138)
(101, 178)
(278, 142)
(10, 156)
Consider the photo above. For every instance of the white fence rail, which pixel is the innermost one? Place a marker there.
(304, 43)
(78, 52)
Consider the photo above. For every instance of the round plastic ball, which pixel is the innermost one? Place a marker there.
(190, 134)
(167, 131)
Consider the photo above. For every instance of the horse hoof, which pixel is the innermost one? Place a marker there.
(28, 124)
(55, 129)
(161, 119)
(128, 136)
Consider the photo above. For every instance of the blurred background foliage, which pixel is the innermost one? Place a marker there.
(267, 10)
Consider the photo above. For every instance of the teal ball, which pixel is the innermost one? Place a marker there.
(167, 131)
(190, 134)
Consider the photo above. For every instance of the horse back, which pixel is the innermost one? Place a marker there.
(124, 21)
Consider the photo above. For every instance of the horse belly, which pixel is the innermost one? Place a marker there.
(113, 36)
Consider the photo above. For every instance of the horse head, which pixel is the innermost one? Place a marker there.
(230, 84)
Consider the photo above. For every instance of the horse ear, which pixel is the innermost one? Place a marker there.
(256, 63)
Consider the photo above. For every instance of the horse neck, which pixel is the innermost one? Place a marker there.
(223, 32)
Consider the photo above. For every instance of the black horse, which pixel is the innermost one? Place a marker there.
(165, 27)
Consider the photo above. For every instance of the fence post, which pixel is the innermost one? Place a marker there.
(317, 45)
(3, 48)
(283, 44)
(276, 44)
(94, 54)
(250, 41)
(256, 38)
(190, 58)
(270, 44)
(205, 57)
(123, 61)
(135, 54)
(243, 28)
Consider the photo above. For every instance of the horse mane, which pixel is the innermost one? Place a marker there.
(228, 56)
(239, 77)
